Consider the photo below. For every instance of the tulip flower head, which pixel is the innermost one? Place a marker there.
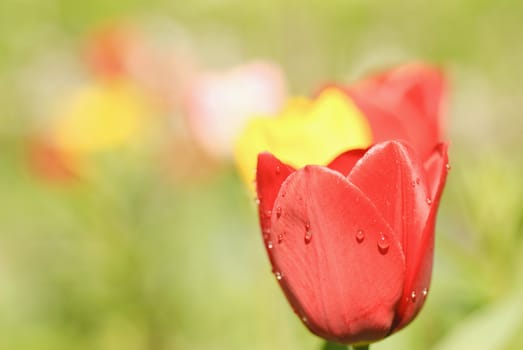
(351, 243)
(348, 214)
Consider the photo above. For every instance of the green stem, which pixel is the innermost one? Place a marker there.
(336, 346)
(361, 347)
(333, 346)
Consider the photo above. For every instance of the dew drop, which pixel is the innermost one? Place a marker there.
(278, 169)
(269, 245)
(268, 214)
(413, 183)
(429, 201)
(418, 181)
(283, 193)
(278, 212)
(448, 166)
(383, 243)
(425, 292)
(304, 319)
(308, 233)
(280, 238)
(308, 237)
(360, 236)
(278, 275)
(266, 234)
(413, 296)
(257, 201)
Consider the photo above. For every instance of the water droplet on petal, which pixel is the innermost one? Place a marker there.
(413, 183)
(278, 275)
(308, 237)
(257, 200)
(448, 166)
(283, 193)
(418, 181)
(280, 238)
(304, 319)
(278, 169)
(429, 201)
(269, 245)
(268, 214)
(425, 292)
(383, 243)
(413, 295)
(266, 234)
(308, 233)
(278, 212)
(360, 236)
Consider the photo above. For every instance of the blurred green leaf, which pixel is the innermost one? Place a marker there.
(489, 328)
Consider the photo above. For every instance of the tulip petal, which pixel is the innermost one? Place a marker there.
(419, 275)
(393, 178)
(270, 174)
(346, 161)
(395, 181)
(405, 103)
(434, 164)
(343, 285)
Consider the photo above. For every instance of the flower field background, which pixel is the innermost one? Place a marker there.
(146, 238)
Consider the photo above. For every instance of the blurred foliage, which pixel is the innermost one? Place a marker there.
(132, 259)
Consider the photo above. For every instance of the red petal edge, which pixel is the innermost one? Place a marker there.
(346, 161)
(270, 174)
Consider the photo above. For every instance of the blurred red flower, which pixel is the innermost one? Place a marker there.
(404, 103)
(51, 163)
(351, 243)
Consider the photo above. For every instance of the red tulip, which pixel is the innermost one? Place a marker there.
(351, 243)
(51, 163)
(404, 103)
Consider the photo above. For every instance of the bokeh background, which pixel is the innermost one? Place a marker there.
(154, 243)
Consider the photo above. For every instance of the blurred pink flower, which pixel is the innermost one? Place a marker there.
(217, 105)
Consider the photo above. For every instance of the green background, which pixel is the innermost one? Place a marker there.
(132, 261)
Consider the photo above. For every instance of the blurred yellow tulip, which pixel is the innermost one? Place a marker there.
(100, 116)
(306, 132)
